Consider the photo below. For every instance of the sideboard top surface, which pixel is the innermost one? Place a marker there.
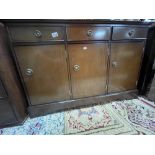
(77, 21)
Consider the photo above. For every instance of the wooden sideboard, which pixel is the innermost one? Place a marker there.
(48, 66)
(67, 65)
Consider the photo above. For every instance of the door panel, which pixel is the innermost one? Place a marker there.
(124, 66)
(88, 66)
(44, 70)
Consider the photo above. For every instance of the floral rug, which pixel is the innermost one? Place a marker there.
(152, 104)
(45, 125)
(140, 115)
(96, 120)
(130, 117)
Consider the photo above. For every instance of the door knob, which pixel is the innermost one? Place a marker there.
(131, 33)
(90, 33)
(37, 34)
(76, 68)
(29, 72)
(114, 64)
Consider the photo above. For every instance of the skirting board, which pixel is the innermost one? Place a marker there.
(44, 109)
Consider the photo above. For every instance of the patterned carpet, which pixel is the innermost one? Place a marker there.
(130, 117)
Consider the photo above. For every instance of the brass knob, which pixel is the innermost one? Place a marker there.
(90, 33)
(37, 33)
(76, 68)
(29, 72)
(131, 33)
(114, 64)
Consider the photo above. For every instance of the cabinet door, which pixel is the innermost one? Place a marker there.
(44, 70)
(88, 66)
(124, 66)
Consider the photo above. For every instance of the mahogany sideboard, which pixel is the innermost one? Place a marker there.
(66, 64)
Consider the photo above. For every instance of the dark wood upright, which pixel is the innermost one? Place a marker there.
(12, 101)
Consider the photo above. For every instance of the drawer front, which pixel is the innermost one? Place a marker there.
(2, 91)
(37, 33)
(120, 33)
(6, 114)
(88, 33)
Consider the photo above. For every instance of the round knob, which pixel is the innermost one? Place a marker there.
(131, 33)
(37, 33)
(89, 33)
(29, 72)
(76, 68)
(114, 64)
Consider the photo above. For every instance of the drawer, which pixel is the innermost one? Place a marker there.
(36, 33)
(2, 91)
(88, 33)
(120, 33)
(6, 114)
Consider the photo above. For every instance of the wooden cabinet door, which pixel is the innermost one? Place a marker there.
(124, 66)
(44, 70)
(88, 67)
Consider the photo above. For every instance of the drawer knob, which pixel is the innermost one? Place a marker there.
(90, 33)
(76, 68)
(114, 64)
(37, 33)
(131, 33)
(29, 72)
